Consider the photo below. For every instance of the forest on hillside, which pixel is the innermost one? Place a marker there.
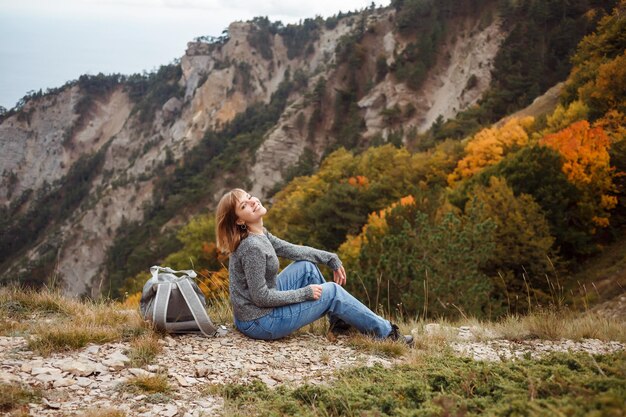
(489, 224)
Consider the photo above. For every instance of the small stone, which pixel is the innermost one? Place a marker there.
(170, 411)
(49, 404)
(117, 360)
(83, 382)
(49, 371)
(63, 382)
(138, 372)
(28, 366)
(46, 378)
(78, 368)
(93, 349)
(182, 381)
(268, 381)
(8, 378)
(202, 371)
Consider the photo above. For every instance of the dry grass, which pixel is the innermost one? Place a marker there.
(548, 324)
(563, 324)
(431, 344)
(385, 347)
(53, 322)
(146, 384)
(220, 311)
(20, 304)
(143, 350)
(67, 336)
(10, 326)
(14, 397)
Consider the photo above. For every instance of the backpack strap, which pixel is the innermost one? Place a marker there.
(161, 302)
(203, 321)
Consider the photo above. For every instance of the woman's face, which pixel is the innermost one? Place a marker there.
(249, 209)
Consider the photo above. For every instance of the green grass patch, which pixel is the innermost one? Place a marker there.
(559, 384)
(16, 396)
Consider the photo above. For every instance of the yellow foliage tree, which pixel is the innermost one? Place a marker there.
(609, 86)
(376, 223)
(565, 116)
(489, 146)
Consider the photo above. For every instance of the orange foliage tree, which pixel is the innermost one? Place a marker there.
(585, 151)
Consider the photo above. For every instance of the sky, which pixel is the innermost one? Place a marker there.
(45, 43)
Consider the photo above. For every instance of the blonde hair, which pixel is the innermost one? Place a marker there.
(228, 234)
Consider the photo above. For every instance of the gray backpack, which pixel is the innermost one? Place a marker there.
(175, 304)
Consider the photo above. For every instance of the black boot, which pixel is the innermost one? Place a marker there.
(339, 327)
(397, 336)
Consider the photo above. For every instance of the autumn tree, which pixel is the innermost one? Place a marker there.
(490, 145)
(421, 264)
(537, 171)
(563, 116)
(523, 250)
(585, 151)
(598, 76)
(322, 209)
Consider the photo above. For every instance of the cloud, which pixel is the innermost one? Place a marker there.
(289, 10)
(296, 9)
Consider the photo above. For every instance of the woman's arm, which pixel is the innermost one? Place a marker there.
(254, 266)
(288, 250)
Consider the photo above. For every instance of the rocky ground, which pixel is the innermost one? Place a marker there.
(91, 379)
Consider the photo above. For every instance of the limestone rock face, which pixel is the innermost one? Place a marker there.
(460, 77)
(31, 148)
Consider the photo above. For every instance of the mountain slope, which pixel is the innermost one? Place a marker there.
(97, 175)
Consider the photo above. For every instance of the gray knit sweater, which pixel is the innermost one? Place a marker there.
(253, 268)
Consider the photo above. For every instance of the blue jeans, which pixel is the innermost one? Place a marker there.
(335, 302)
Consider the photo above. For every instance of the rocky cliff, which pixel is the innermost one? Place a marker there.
(130, 148)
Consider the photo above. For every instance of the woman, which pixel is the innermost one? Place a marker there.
(270, 306)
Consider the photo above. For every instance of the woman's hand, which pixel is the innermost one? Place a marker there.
(317, 291)
(339, 276)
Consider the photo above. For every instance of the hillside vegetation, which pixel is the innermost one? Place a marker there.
(483, 227)
(469, 218)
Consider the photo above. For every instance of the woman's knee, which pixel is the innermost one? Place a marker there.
(330, 289)
(305, 266)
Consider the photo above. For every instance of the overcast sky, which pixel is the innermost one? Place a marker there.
(44, 43)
